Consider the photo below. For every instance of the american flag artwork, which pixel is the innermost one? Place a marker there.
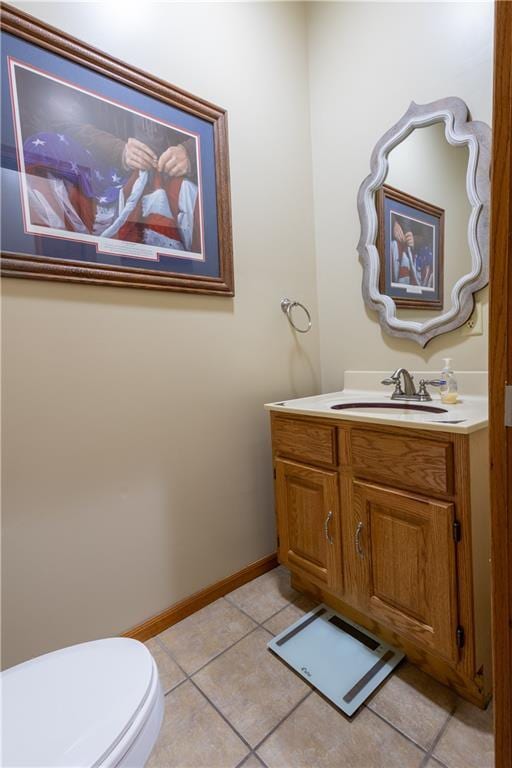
(108, 175)
(76, 185)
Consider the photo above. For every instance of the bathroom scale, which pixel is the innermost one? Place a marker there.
(344, 661)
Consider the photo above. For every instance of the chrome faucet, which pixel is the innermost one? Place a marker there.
(408, 390)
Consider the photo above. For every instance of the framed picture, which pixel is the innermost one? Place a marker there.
(410, 245)
(109, 175)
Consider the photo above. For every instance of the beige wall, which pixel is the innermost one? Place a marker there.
(136, 453)
(367, 62)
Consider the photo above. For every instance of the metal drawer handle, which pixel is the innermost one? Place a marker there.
(359, 548)
(326, 528)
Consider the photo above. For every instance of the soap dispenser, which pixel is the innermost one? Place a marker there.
(448, 388)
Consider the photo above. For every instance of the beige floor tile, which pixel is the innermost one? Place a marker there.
(468, 741)
(288, 615)
(318, 736)
(194, 735)
(251, 687)
(414, 703)
(265, 595)
(170, 673)
(200, 637)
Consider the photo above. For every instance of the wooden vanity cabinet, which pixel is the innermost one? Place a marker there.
(376, 522)
(308, 522)
(407, 573)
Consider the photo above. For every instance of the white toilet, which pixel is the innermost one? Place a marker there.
(94, 705)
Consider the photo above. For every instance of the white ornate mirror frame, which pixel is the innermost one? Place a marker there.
(458, 130)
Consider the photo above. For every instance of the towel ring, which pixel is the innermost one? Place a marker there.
(287, 306)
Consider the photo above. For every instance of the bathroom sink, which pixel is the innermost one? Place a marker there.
(385, 407)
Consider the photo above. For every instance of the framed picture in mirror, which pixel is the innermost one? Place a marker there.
(410, 243)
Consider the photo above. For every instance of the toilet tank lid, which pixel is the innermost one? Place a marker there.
(72, 706)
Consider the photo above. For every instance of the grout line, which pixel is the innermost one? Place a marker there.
(190, 679)
(261, 760)
(193, 682)
(259, 623)
(170, 653)
(435, 761)
(244, 760)
(272, 615)
(234, 605)
(188, 675)
(440, 733)
(221, 653)
(425, 760)
(272, 730)
(277, 614)
(396, 729)
(175, 686)
(223, 716)
(252, 753)
(228, 648)
(438, 761)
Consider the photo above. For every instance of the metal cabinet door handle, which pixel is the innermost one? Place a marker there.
(326, 528)
(357, 537)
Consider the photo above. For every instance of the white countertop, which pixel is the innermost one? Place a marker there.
(468, 415)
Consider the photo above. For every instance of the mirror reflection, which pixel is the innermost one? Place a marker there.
(423, 212)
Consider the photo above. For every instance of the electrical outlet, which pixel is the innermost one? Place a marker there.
(474, 326)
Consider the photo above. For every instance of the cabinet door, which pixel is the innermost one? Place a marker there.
(406, 547)
(308, 522)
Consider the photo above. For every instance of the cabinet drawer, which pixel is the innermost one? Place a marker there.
(408, 462)
(315, 443)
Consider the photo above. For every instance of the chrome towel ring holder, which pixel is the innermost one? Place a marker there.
(288, 306)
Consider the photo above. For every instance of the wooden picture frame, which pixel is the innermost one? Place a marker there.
(198, 256)
(425, 217)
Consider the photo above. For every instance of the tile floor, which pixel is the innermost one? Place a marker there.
(229, 702)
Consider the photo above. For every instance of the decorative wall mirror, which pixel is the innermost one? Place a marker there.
(424, 213)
